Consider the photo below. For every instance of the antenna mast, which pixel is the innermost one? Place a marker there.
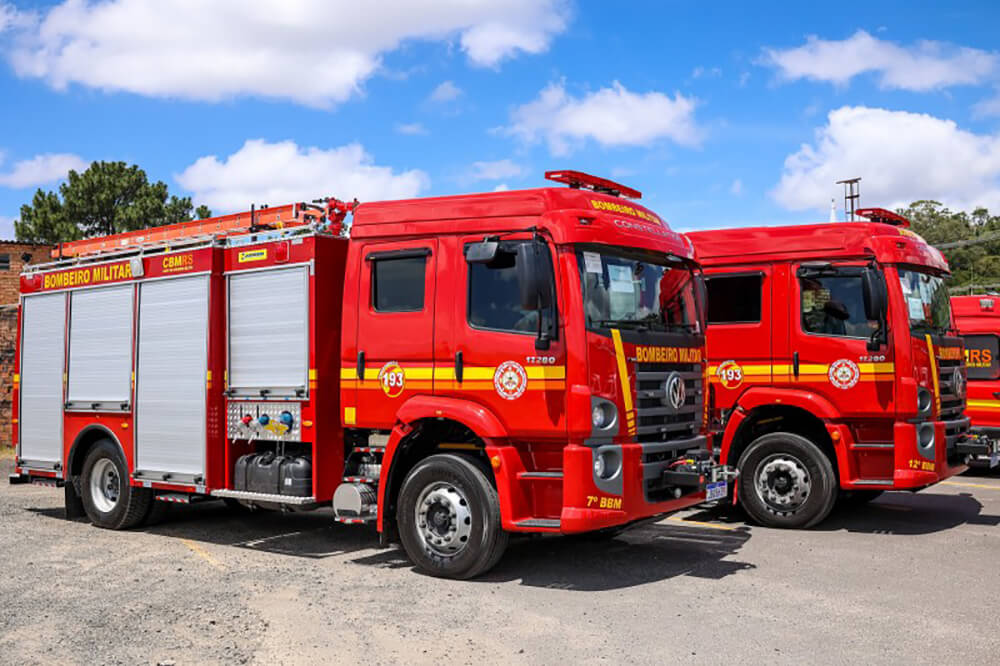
(852, 196)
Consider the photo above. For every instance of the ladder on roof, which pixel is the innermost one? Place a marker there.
(256, 219)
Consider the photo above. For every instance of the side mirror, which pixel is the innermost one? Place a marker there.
(534, 277)
(482, 253)
(875, 296)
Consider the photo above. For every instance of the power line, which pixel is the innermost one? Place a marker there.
(985, 238)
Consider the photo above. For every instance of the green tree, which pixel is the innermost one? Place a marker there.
(975, 263)
(107, 198)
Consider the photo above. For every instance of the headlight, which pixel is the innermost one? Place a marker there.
(607, 463)
(924, 400)
(603, 415)
(925, 440)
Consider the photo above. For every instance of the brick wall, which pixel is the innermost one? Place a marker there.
(9, 290)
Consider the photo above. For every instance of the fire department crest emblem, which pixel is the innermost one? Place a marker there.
(844, 374)
(510, 380)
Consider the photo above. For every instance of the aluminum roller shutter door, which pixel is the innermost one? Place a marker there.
(43, 351)
(268, 331)
(171, 371)
(100, 347)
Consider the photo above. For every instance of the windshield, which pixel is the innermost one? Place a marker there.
(926, 301)
(638, 290)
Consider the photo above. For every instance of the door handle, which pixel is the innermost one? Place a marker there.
(795, 364)
(459, 366)
(996, 394)
(361, 366)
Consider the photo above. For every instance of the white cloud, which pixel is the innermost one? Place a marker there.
(411, 128)
(987, 107)
(611, 116)
(498, 170)
(314, 52)
(502, 187)
(712, 72)
(901, 157)
(282, 172)
(926, 65)
(41, 170)
(445, 92)
(736, 188)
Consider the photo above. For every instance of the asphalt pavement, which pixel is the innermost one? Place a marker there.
(909, 578)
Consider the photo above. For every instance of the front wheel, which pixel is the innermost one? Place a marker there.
(108, 498)
(449, 518)
(786, 481)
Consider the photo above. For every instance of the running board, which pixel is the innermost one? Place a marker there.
(263, 497)
(539, 475)
(547, 523)
(872, 482)
(181, 498)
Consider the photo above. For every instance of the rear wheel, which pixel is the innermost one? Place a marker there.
(786, 481)
(449, 518)
(108, 498)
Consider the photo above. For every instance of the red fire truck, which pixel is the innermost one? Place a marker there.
(453, 369)
(977, 319)
(833, 371)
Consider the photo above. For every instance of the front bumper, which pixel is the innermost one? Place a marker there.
(655, 479)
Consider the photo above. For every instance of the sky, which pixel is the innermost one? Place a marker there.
(722, 114)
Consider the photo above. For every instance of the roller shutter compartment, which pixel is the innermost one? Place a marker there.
(43, 350)
(171, 371)
(100, 348)
(268, 332)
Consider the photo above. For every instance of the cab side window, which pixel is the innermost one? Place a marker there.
(734, 299)
(398, 282)
(495, 297)
(834, 305)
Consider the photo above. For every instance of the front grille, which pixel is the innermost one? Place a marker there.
(657, 420)
(952, 404)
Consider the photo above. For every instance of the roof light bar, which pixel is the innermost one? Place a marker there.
(884, 216)
(580, 180)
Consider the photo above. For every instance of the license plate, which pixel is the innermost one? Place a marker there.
(715, 491)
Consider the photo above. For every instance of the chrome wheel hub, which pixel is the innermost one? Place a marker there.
(783, 483)
(105, 485)
(443, 519)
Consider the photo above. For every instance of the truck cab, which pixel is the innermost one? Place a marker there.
(834, 369)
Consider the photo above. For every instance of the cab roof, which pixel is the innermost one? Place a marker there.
(845, 240)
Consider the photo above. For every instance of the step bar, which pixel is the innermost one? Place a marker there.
(264, 497)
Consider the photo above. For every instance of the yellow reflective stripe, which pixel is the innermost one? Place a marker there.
(934, 373)
(350, 416)
(984, 404)
(623, 375)
(546, 371)
(348, 373)
(312, 373)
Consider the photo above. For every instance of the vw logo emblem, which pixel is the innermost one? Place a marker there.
(674, 392)
(958, 383)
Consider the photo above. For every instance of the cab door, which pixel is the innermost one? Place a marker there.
(490, 355)
(829, 336)
(740, 331)
(395, 358)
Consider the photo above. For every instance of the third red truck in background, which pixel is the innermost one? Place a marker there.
(834, 368)
(977, 319)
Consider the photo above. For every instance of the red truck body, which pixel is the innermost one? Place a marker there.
(815, 389)
(977, 319)
(403, 374)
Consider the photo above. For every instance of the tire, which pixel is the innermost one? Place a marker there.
(108, 499)
(439, 541)
(786, 481)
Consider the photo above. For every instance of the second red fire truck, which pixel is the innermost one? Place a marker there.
(454, 370)
(834, 369)
(977, 319)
